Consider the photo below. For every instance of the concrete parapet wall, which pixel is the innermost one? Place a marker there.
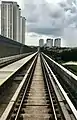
(10, 47)
(64, 74)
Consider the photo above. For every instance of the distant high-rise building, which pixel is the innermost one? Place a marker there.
(16, 17)
(22, 29)
(41, 42)
(7, 19)
(0, 18)
(10, 21)
(49, 43)
(57, 42)
(18, 24)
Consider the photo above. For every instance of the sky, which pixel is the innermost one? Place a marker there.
(50, 19)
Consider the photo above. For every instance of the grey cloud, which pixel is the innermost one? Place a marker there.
(62, 4)
(69, 5)
(30, 12)
(73, 10)
(51, 19)
(43, 18)
(56, 13)
(70, 36)
(47, 31)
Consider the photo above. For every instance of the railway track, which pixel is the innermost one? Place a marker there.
(8, 90)
(38, 97)
(71, 92)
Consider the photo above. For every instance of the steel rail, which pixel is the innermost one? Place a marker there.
(55, 116)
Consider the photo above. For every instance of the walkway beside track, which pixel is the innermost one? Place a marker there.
(7, 71)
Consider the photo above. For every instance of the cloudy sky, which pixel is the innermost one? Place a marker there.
(50, 19)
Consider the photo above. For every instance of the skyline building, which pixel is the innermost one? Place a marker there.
(41, 42)
(7, 19)
(15, 21)
(23, 30)
(57, 42)
(10, 21)
(18, 24)
(20, 29)
(49, 42)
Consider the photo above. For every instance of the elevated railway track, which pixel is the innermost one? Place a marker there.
(39, 94)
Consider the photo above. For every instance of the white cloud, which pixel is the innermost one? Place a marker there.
(70, 33)
(53, 1)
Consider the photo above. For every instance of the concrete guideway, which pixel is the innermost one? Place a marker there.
(7, 71)
(39, 96)
(9, 60)
(16, 94)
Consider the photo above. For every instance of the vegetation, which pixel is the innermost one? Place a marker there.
(69, 55)
(65, 55)
(72, 68)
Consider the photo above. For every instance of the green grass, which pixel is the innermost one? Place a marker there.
(72, 68)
